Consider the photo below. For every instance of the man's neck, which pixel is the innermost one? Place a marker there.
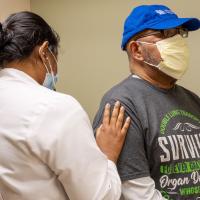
(154, 76)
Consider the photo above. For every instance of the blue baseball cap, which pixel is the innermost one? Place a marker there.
(156, 17)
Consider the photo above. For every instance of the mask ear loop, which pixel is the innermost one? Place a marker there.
(54, 88)
(143, 42)
(54, 84)
(53, 77)
(53, 56)
(151, 64)
(46, 68)
(45, 65)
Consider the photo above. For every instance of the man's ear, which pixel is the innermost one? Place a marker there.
(135, 51)
(43, 51)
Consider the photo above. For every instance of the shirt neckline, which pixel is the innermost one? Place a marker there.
(153, 86)
(16, 74)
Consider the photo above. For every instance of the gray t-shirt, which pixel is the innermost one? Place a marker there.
(163, 140)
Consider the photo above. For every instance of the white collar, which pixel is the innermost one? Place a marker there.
(135, 76)
(15, 74)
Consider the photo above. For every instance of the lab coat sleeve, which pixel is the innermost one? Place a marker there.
(62, 138)
(140, 188)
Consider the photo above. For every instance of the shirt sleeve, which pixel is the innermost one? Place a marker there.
(133, 162)
(63, 139)
(141, 188)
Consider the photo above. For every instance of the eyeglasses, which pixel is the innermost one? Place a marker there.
(166, 33)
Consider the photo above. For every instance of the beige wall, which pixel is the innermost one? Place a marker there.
(10, 6)
(90, 59)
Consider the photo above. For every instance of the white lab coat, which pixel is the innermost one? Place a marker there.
(47, 148)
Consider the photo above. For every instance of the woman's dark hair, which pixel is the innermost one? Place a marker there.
(21, 33)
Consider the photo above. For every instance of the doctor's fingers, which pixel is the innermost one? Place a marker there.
(106, 115)
(125, 127)
(115, 114)
(120, 118)
(115, 119)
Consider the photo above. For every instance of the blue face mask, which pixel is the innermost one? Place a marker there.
(50, 79)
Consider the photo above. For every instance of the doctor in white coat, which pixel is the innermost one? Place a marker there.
(47, 148)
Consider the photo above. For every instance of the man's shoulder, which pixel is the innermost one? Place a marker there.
(188, 92)
(125, 88)
(129, 91)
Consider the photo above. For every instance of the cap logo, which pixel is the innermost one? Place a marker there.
(164, 12)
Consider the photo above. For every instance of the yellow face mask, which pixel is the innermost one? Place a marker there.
(174, 52)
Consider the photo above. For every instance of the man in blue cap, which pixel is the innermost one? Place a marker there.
(161, 155)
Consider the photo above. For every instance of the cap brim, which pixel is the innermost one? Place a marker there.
(191, 24)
